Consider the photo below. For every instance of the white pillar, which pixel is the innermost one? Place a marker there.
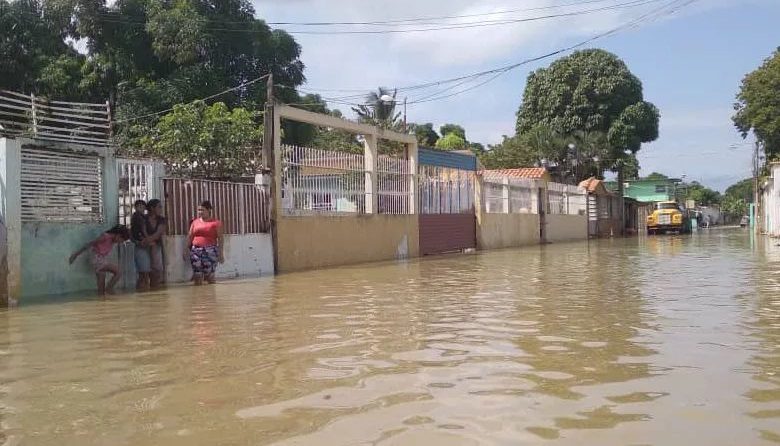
(370, 158)
(412, 157)
(505, 195)
(10, 221)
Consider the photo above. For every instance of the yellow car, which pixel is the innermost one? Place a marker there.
(666, 217)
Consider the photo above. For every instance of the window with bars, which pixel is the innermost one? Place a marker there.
(61, 186)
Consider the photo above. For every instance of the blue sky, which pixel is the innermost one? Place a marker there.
(691, 65)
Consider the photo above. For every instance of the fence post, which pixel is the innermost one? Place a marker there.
(370, 158)
(34, 116)
(412, 157)
(505, 195)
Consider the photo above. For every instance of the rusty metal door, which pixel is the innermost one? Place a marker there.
(448, 222)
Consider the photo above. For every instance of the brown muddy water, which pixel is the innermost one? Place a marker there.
(651, 341)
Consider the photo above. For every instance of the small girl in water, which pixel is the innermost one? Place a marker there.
(101, 249)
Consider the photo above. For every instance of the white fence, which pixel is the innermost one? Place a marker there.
(316, 181)
(138, 180)
(511, 196)
(565, 199)
(445, 190)
(39, 118)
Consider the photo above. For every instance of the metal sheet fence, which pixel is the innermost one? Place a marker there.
(444, 190)
(566, 199)
(61, 186)
(35, 117)
(242, 208)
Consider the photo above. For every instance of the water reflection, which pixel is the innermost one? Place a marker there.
(663, 340)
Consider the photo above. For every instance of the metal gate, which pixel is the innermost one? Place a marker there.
(447, 221)
(138, 180)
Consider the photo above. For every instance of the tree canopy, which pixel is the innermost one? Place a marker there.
(144, 55)
(590, 91)
(758, 108)
(426, 135)
(379, 112)
(208, 141)
(451, 141)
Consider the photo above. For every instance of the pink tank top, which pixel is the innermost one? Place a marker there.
(205, 232)
(103, 245)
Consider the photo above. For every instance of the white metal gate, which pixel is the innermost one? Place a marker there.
(138, 180)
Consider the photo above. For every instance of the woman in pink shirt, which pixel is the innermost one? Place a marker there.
(100, 249)
(204, 244)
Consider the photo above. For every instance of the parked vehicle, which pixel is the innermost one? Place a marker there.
(744, 222)
(667, 217)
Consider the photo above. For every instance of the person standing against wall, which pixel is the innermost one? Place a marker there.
(141, 249)
(205, 244)
(156, 227)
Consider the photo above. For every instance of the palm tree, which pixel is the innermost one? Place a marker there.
(378, 112)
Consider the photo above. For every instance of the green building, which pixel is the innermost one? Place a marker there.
(648, 191)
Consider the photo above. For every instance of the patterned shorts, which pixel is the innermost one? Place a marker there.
(204, 259)
(99, 262)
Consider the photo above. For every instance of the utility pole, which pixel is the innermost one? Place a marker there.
(404, 114)
(756, 167)
(269, 164)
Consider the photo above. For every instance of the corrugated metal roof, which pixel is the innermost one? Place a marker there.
(534, 173)
(430, 157)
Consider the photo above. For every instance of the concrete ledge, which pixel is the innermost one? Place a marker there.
(246, 255)
(496, 231)
(566, 227)
(313, 242)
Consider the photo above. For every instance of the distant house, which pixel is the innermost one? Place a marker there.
(527, 173)
(603, 209)
(647, 190)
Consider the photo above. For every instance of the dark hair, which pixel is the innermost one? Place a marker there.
(137, 202)
(206, 204)
(120, 230)
(153, 203)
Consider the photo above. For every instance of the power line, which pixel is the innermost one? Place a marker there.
(479, 24)
(237, 87)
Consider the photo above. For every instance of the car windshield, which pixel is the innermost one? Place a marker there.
(662, 206)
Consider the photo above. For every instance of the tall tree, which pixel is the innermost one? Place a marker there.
(451, 141)
(378, 111)
(591, 91)
(446, 129)
(758, 108)
(426, 135)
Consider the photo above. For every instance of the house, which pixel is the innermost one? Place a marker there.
(603, 209)
(648, 190)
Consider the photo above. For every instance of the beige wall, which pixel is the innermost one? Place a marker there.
(495, 231)
(312, 242)
(246, 255)
(566, 227)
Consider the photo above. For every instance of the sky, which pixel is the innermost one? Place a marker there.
(690, 63)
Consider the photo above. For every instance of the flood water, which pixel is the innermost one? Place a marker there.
(650, 341)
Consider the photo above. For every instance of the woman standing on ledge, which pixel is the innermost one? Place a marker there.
(205, 244)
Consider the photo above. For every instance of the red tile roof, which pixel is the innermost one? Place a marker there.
(534, 173)
(595, 186)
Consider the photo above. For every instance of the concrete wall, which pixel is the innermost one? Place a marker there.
(495, 231)
(45, 247)
(246, 255)
(320, 241)
(566, 227)
(10, 221)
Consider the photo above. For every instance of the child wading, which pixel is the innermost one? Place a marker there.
(100, 249)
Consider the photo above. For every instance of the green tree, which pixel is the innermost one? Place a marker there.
(591, 91)
(656, 176)
(446, 129)
(742, 189)
(426, 135)
(451, 141)
(511, 152)
(207, 141)
(701, 194)
(758, 108)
